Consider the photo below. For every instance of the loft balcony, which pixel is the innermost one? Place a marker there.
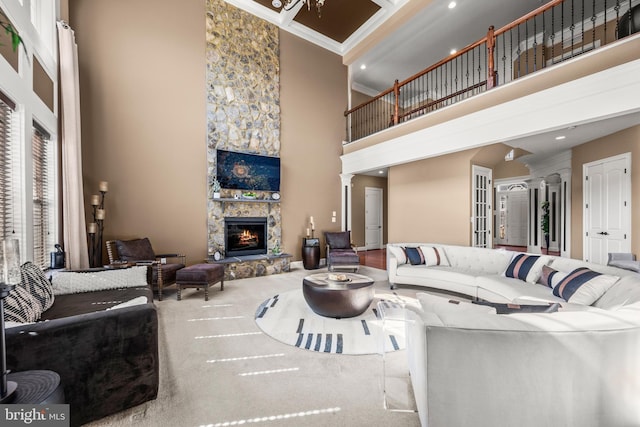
(566, 63)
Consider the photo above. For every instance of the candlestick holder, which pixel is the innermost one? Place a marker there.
(96, 228)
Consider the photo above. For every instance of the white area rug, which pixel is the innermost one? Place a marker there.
(287, 318)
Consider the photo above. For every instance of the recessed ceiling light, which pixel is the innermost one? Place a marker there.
(558, 138)
(363, 67)
(380, 172)
(452, 5)
(452, 51)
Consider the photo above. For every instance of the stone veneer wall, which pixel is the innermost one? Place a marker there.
(243, 108)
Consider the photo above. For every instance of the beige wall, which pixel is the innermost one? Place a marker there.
(621, 142)
(359, 183)
(429, 200)
(142, 80)
(313, 97)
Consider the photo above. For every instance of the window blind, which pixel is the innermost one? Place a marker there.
(9, 171)
(43, 239)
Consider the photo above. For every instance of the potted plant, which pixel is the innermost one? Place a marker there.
(545, 222)
(215, 186)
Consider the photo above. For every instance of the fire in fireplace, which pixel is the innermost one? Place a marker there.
(245, 236)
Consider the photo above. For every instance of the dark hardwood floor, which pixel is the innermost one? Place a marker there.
(376, 258)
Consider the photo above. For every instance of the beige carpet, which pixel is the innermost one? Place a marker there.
(217, 368)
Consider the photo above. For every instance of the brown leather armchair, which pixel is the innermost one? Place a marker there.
(341, 253)
(140, 252)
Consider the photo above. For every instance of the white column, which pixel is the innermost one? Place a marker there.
(565, 218)
(346, 178)
(534, 233)
(555, 216)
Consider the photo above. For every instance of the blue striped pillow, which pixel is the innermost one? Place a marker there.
(414, 255)
(582, 285)
(521, 265)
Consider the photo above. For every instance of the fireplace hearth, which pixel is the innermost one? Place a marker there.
(245, 236)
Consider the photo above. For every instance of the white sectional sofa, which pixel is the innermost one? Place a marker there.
(578, 366)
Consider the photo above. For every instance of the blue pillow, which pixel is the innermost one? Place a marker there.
(414, 255)
(520, 266)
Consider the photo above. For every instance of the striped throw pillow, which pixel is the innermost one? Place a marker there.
(37, 284)
(20, 306)
(434, 256)
(551, 277)
(526, 267)
(414, 255)
(582, 285)
(399, 253)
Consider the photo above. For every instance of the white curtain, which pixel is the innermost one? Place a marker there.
(75, 235)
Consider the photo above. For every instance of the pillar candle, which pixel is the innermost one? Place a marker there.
(95, 200)
(307, 232)
(104, 186)
(92, 228)
(311, 220)
(100, 214)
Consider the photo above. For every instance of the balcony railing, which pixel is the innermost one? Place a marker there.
(555, 32)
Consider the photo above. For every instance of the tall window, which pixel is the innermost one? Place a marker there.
(43, 197)
(10, 221)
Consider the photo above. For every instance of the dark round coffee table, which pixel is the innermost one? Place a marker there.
(338, 299)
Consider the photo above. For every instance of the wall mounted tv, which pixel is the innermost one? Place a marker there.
(243, 171)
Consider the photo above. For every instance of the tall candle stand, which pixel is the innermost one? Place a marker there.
(96, 228)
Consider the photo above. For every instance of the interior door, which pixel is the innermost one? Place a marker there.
(481, 201)
(373, 218)
(607, 209)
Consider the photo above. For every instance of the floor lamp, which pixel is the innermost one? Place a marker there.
(9, 278)
(95, 229)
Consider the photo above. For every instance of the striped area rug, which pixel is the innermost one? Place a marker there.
(287, 318)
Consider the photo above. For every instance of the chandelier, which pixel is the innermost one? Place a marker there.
(290, 4)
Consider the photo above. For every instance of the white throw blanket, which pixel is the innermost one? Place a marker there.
(69, 282)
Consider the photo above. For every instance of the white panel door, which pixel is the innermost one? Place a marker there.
(607, 209)
(517, 206)
(373, 217)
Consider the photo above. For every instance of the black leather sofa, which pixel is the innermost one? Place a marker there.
(107, 359)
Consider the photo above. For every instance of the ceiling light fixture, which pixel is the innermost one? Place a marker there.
(561, 137)
(452, 51)
(290, 4)
(452, 5)
(363, 67)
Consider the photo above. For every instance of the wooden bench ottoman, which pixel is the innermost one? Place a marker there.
(200, 276)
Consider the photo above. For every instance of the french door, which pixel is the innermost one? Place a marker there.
(481, 207)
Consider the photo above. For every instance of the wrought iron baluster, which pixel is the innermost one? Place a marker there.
(553, 35)
(593, 24)
(573, 26)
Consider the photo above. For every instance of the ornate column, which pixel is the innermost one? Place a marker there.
(534, 232)
(553, 196)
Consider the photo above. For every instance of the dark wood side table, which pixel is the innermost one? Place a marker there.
(37, 387)
(310, 253)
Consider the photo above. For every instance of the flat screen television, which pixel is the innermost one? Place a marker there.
(243, 171)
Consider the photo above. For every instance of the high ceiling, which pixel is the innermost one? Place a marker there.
(417, 34)
(414, 43)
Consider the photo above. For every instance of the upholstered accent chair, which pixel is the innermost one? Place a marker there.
(341, 253)
(140, 252)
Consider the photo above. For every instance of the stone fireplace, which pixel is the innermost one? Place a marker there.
(245, 236)
(243, 115)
